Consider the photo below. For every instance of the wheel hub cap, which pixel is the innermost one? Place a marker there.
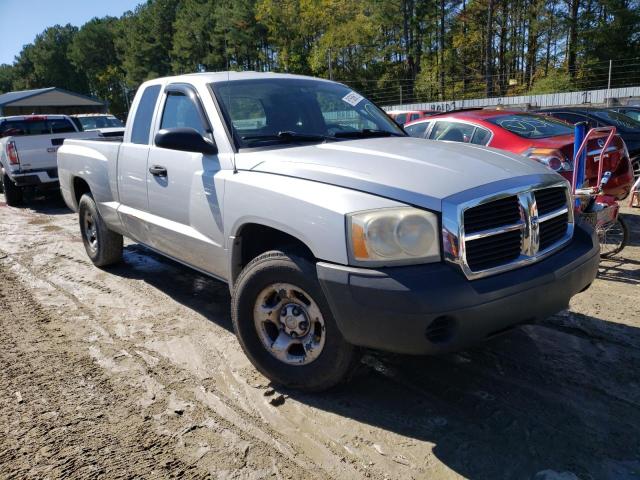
(289, 324)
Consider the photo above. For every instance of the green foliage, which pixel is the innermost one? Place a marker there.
(7, 77)
(46, 62)
(390, 50)
(555, 81)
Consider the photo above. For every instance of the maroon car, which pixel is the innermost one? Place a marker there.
(540, 138)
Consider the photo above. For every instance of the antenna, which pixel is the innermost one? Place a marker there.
(226, 54)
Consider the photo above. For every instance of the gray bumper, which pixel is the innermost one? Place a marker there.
(427, 309)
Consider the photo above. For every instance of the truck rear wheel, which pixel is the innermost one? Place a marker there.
(103, 246)
(285, 326)
(12, 193)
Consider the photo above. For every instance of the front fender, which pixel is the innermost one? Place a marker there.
(312, 212)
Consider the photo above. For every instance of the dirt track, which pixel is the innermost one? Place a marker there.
(134, 372)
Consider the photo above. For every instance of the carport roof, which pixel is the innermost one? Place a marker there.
(72, 97)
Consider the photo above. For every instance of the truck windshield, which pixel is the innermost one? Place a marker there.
(275, 111)
(532, 126)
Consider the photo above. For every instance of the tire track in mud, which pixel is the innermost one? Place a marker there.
(164, 372)
(553, 396)
(87, 425)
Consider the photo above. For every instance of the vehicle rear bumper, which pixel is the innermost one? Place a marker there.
(428, 309)
(46, 177)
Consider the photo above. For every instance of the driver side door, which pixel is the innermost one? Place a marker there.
(185, 189)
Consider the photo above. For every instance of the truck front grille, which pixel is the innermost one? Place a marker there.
(514, 230)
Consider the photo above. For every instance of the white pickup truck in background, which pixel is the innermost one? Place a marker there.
(28, 147)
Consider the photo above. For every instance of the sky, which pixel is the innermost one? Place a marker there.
(22, 20)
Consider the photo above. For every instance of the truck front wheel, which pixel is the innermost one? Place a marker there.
(285, 326)
(12, 193)
(103, 246)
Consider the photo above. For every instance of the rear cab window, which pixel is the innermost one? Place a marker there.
(144, 114)
(35, 126)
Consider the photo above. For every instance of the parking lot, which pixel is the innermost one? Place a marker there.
(134, 371)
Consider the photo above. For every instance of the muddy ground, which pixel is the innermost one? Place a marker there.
(134, 372)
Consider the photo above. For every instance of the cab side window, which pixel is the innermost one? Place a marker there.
(181, 112)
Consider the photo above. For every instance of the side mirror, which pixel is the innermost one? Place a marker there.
(185, 140)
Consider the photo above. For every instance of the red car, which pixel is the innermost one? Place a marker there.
(406, 116)
(540, 138)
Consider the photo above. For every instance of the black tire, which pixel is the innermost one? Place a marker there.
(337, 358)
(12, 193)
(624, 229)
(103, 246)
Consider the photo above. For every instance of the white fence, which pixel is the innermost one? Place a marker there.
(545, 100)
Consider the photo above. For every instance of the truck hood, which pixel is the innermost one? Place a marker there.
(410, 170)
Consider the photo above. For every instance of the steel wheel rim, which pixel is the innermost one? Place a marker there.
(90, 231)
(279, 313)
(611, 237)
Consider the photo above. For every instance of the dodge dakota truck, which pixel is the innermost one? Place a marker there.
(28, 146)
(334, 230)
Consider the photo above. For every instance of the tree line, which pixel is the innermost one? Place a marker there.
(408, 50)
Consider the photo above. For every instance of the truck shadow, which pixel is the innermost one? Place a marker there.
(205, 295)
(560, 395)
(49, 203)
(542, 397)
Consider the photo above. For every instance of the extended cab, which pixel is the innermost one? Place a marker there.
(332, 227)
(28, 146)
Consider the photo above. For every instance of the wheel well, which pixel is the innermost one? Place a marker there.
(80, 187)
(254, 239)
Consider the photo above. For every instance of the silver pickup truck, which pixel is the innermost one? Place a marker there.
(334, 229)
(28, 146)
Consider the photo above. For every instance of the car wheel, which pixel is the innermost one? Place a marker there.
(285, 326)
(103, 246)
(12, 193)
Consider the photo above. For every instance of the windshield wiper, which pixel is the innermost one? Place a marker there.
(367, 133)
(289, 136)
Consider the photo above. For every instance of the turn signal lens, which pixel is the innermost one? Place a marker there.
(393, 236)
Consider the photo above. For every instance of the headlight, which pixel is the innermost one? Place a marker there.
(551, 157)
(393, 236)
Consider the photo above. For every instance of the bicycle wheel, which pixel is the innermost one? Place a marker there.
(613, 237)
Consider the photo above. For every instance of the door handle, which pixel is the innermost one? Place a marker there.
(158, 171)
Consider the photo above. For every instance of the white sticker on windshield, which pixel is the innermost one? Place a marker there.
(352, 98)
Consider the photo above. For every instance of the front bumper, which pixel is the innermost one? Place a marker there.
(433, 308)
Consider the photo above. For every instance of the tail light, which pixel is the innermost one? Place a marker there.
(551, 157)
(12, 153)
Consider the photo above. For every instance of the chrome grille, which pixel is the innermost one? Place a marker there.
(553, 230)
(550, 199)
(499, 234)
(492, 215)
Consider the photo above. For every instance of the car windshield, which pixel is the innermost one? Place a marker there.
(617, 119)
(275, 111)
(532, 126)
(100, 122)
